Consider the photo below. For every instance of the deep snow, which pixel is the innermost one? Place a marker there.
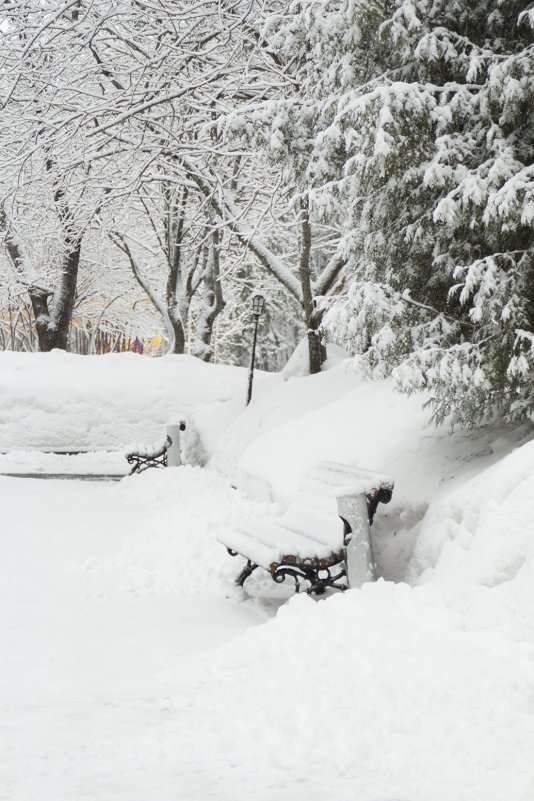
(105, 402)
(132, 669)
(102, 608)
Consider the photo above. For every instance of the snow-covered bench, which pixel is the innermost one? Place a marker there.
(144, 456)
(161, 453)
(323, 537)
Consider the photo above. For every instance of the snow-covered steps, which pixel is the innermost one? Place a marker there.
(323, 536)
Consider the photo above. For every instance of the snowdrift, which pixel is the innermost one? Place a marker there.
(336, 416)
(424, 692)
(62, 400)
(389, 692)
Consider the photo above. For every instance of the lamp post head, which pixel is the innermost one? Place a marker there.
(257, 304)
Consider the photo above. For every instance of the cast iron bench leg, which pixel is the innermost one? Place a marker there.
(249, 568)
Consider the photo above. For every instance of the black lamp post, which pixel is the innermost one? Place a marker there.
(257, 308)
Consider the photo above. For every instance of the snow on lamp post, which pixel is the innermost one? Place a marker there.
(257, 308)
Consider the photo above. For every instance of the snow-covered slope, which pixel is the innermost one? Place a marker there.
(481, 534)
(336, 416)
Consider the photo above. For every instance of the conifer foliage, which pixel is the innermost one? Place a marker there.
(426, 131)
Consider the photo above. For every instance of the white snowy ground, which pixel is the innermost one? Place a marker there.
(106, 616)
(131, 669)
(26, 462)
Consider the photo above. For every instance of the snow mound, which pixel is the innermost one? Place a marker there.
(380, 688)
(298, 363)
(398, 692)
(62, 400)
(482, 533)
(277, 404)
(171, 536)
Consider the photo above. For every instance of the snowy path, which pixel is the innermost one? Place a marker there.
(91, 646)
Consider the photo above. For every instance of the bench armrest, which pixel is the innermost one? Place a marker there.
(353, 510)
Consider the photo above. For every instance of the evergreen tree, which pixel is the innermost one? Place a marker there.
(424, 138)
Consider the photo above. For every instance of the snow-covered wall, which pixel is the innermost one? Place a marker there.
(62, 400)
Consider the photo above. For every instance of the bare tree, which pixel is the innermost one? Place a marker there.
(114, 100)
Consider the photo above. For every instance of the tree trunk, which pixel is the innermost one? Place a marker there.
(312, 320)
(177, 309)
(178, 345)
(39, 300)
(212, 301)
(145, 285)
(64, 299)
(52, 326)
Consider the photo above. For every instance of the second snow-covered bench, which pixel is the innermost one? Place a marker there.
(324, 536)
(162, 453)
(144, 456)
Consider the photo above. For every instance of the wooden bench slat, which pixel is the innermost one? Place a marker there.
(255, 550)
(274, 540)
(328, 478)
(321, 529)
